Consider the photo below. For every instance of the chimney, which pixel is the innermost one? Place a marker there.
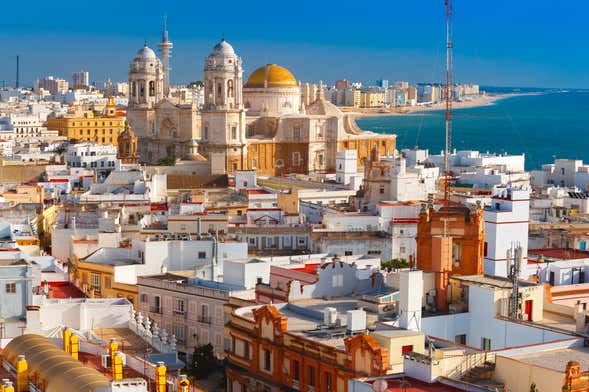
(160, 377)
(411, 298)
(183, 383)
(22, 374)
(117, 366)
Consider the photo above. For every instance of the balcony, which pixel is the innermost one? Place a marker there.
(204, 319)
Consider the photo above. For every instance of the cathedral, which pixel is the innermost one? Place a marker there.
(263, 124)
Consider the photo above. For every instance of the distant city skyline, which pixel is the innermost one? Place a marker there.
(524, 44)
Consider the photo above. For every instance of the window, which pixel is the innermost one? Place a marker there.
(328, 382)
(460, 339)
(179, 306)
(250, 133)
(95, 281)
(246, 350)
(486, 344)
(295, 370)
(348, 253)
(206, 133)
(407, 349)
(107, 283)
(254, 163)
(485, 248)
(143, 298)
(311, 376)
(320, 159)
(296, 159)
(267, 360)
(234, 133)
(202, 255)
(296, 132)
(11, 288)
(337, 280)
(204, 313)
(456, 254)
(179, 331)
(381, 190)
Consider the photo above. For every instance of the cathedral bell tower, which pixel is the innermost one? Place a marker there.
(223, 139)
(127, 146)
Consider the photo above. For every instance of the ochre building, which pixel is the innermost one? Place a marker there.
(104, 129)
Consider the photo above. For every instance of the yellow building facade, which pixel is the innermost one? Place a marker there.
(98, 281)
(104, 129)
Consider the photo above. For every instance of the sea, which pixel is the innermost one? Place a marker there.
(542, 124)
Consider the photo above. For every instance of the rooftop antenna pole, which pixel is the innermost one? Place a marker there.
(448, 96)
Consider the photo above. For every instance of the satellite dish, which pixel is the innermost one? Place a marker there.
(380, 385)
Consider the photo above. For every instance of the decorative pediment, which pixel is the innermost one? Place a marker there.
(267, 317)
(367, 356)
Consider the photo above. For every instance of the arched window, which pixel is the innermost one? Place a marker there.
(152, 89)
(141, 89)
(134, 89)
(219, 90)
(230, 88)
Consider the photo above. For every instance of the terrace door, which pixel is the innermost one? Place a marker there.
(528, 309)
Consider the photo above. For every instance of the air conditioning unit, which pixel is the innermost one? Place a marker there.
(105, 360)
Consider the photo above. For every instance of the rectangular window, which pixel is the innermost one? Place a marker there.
(179, 306)
(311, 376)
(460, 339)
(246, 350)
(11, 288)
(234, 133)
(485, 344)
(143, 298)
(296, 132)
(206, 133)
(348, 253)
(202, 255)
(254, 164)
(295, 370)
(337, 280)
(107, 283)
(328, 382)
(407, 349)
(180, 331)
(486, 245)
(267, 360)
(456, 254)
(95, 281)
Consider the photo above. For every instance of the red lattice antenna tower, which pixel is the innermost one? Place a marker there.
(448, 96)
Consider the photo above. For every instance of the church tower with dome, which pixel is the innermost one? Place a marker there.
(223, 123)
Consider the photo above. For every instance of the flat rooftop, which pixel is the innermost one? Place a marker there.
(560, 253)
(490, 281)
(557, 359)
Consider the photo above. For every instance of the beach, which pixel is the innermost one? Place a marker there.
(470, 102)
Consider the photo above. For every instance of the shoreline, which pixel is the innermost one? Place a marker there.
(480, 101)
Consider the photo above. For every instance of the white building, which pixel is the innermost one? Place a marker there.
(98, 157)
(346, 166)
(506, 227)
(564, 173)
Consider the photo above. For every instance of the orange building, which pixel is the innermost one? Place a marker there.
(450, 242)
(467, 229)
(272, 352)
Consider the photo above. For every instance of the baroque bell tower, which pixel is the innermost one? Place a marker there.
(223, 139)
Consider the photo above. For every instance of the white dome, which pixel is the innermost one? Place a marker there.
(145, 53)
(223, 48)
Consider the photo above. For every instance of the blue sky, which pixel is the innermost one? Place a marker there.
(541, 43)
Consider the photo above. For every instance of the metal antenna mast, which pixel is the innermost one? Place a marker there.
(448, 96)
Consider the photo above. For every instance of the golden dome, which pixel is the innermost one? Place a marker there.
(271, 76)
